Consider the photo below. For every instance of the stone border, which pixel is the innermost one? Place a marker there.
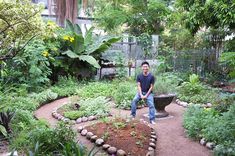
(186, 104)
(60, 117)
(113, 150)
(209, 145)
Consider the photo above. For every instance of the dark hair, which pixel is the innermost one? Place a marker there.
(145, 62)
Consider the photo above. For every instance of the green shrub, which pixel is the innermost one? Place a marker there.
(196, 119)
(124, 94)
(195, 92)
(44, 96)
(92, 106)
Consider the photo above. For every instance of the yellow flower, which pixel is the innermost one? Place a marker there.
(66, 38)
(71, 39)
(45, 53)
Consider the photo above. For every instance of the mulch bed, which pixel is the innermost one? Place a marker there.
(3, 145)
(133, 138)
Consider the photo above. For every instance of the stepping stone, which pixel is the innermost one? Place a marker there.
(79, 120)
(105, 146)
(153, 133)
(120, 152)
(99, 142)
(93, 138)
(89, 135)
(84, 132)
(112, 150)
(150, 153)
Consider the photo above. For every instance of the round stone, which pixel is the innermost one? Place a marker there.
(99, 142)
(84, 119)
(66, 120)
(93, 138)
(79, 120)
(90, 118)
(209, 105)
(210, 145)
(150, 153)
(153, 133)
(120, 152)
(154, 137)
(152, 140)
(112, 150)
(151, 149)
(105, 146)
(60, 117)
(80, 128)
(153, 145)
(73, 122)
(89, 135)
(203, 141)
(84, 132)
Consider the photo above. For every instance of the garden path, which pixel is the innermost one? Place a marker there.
(172, 140)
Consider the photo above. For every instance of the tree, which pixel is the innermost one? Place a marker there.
(135, 16)
(20, 21)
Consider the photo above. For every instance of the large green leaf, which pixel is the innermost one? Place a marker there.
(70, 54)
(3, 130)
(90, 59)
(69, 25)
(78, 44)
(88, 37)
(77, 29)
(101, 44)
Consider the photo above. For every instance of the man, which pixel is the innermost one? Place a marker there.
(145, 82)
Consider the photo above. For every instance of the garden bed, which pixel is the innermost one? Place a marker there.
(132, 137)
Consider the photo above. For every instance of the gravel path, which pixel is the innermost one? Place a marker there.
(172, 140)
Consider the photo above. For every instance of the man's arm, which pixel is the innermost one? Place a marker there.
(149, 91)
(139, 89)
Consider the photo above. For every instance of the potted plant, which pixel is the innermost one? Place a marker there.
(164, 93)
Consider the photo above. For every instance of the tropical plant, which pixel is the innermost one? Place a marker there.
(164, 85)
(86, 48)
(5, 119)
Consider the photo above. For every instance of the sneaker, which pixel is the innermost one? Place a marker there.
(153, 122)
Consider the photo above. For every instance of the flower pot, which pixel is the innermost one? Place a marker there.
(160, 102)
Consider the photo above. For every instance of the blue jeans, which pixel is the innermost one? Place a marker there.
(150, 103)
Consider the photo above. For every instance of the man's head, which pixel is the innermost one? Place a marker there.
(145, 67)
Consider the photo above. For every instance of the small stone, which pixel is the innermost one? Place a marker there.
(153, 133)
(210, 145)
(154, 137)
(93, 138)
(90, 118)
(203, 141)
(153, 145)
(66, 120)
(112, 150)
(120, 152)
(73, 122)
(150, 153)
(99, 142)
(209, 105)
(184, 104)
(177, 100)
(80, 128)
(84, 132)
(60, 117)
(54, 111)
(79, 120)
(152, 140)
(151, 149)
(105, 146)
(84, 119)
(89, 135)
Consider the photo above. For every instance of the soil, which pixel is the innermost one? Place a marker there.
(133, 138)
(3, 145)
